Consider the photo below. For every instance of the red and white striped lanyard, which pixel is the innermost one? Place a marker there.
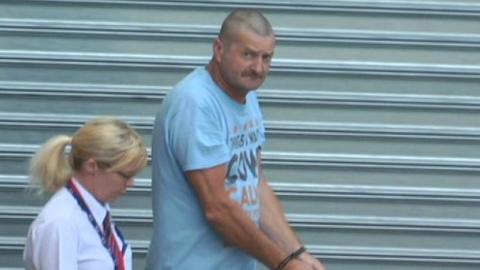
(83, 205)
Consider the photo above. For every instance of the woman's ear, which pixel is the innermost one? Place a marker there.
(90, 166)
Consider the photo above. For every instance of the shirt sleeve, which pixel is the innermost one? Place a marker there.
(54, 246)
(198, 135)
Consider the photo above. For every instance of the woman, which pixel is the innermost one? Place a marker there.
(73, 230)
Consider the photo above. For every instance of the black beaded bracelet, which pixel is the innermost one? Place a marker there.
(290, 257)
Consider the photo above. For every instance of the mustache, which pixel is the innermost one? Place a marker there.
(253, 74)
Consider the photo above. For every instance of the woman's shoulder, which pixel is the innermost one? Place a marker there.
(60, 210)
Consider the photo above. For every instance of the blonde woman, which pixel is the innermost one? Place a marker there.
(74, 230)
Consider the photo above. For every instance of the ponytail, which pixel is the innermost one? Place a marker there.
(50, 167)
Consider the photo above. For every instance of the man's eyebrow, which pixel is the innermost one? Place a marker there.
(250, 49)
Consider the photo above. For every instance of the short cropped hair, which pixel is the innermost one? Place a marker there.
(245, 19)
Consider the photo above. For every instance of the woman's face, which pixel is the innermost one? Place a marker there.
(111, 185)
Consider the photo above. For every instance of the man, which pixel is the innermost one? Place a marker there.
(213, 208)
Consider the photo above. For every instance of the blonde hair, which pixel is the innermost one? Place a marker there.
(111, 142)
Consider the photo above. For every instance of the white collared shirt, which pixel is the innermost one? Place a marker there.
(62, 237)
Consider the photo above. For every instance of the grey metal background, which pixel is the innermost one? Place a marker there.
(372, 112)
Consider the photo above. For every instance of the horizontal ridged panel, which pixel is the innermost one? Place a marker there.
(425, 110)
(323, 80)
(339, 199)
(371, 108)
(337, 113)
(282, 136)
(369, 256)
(281, 65)
(326, 168)
(408, 16)
(354, 160)
(152, 39)
(145, 92)
(334, 230)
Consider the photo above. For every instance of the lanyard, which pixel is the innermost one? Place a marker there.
(81, 202)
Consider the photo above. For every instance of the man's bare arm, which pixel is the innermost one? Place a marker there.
(273, 222)
(232, 223)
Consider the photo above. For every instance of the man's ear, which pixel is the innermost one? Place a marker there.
(90, 166)
(218, 47)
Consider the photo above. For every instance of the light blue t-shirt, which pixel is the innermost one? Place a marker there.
(199, 126)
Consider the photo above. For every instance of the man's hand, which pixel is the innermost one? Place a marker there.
(312, 261)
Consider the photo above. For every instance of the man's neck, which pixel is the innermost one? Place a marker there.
(214, 71)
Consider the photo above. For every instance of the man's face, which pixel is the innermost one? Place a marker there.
(245, 62)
